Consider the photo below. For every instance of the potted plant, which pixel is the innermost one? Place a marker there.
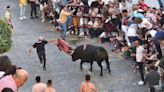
(5, 37)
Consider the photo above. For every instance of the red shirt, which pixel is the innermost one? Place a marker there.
(143, 6)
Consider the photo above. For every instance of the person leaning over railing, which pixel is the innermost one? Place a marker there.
(65, 20)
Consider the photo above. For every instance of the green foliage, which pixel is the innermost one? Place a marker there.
(5, 37)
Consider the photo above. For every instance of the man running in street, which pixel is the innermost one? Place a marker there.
(40, 48)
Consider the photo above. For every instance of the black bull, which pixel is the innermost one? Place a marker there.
(90, 53)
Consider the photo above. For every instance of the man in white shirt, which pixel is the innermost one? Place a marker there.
(132, 33)
(38, 87)
(139, 59)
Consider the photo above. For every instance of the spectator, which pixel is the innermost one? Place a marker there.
(65, 20)
(64, 2)
(7, 90)
(6, 66)
(95, 29)
(22, 5)
(139, 59)
(143, 23)
(152, 78)
(8, 18)
(42, 7)
(56, 5)
(33, 8)
(132, 33)
(161, 41)
(8, 15)
(49, 87)
(14, 81)
(124, 27)
(87, 86)
(142, 4)
(4, 63)
(152, 15)
(76, 1)
(160, 63)
(38, 87)
(160, 3)
(155, 35)
(162, 19)
(85, 3)
(11, 70)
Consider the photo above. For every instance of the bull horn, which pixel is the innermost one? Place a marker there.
(72, 52)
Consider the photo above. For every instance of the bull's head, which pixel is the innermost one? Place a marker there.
(74, 56)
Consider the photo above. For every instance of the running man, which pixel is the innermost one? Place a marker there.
(40, 48)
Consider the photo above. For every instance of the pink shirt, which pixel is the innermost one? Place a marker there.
(8, 82)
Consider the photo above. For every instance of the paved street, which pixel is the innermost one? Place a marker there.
(66, 75)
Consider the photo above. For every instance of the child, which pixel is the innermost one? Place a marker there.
(42, 8)
(8, 18)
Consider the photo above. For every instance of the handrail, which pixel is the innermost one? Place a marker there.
(77, 5)
(85, 27)
(85, 16)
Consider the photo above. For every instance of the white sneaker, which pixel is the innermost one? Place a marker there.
(81, 34)
(43, 20)
(24, 17)
(53, 20)
(21, 18)
(68, 32)
(50, 21)
(59, 28)
(140, 83)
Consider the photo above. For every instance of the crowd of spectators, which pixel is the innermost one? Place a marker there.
(135, 29)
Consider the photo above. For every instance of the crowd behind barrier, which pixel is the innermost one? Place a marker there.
(133, 29)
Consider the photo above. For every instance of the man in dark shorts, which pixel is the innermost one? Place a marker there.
(40, 48)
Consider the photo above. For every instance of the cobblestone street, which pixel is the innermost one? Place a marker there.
(65, 74)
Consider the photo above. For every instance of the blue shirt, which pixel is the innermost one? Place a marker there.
(139, 15)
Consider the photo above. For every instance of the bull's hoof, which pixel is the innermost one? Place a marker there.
(106, 69)
(101, 74)
(90, 70)
(81, 69)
